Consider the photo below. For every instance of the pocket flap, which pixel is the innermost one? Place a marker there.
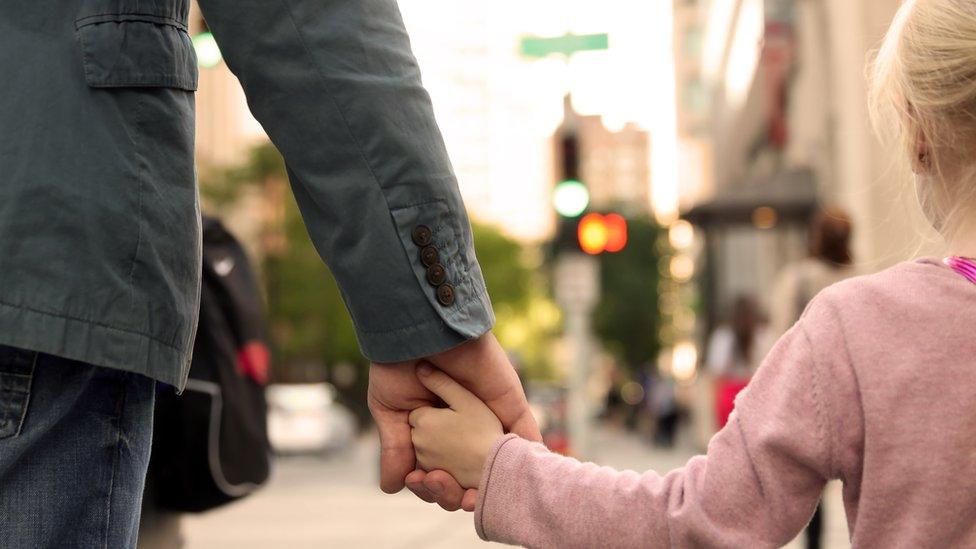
(135, 50)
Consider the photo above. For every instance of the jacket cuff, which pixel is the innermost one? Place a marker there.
(426, 338)
(493, 491)
(449, 300)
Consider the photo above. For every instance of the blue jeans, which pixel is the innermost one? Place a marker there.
(74, 447)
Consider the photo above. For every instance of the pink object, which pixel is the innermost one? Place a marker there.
(254, 361)
(875, 385)
(963, 266)
(725, 393)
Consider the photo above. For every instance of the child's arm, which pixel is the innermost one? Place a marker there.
(797, 425)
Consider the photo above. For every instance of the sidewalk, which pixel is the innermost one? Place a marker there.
(335, 502)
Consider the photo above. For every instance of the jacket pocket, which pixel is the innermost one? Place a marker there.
(16, 374)
(136, 50)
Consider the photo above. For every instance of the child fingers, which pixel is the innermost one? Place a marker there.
(426, 416)
(442, 385)
(415, 415)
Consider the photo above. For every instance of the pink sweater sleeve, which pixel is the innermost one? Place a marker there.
(757, 486)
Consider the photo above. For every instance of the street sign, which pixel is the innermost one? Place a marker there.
(568, 44)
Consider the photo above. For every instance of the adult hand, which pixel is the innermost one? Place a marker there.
(479, 365)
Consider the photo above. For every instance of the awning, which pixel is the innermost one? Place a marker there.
(792, 195)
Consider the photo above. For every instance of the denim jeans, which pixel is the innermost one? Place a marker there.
(74, 447)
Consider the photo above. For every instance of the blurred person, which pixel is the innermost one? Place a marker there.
(873, 386)
(829, 262)
(734, 352)
(100, 236)
(662, 402)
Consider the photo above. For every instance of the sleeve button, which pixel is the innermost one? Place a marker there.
(445, 295)
(436, 274)
(429, 256)
(422, 235)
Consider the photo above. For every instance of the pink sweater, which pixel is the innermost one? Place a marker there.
(875, 385)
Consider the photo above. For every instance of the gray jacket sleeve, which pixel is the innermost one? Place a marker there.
(336, 86)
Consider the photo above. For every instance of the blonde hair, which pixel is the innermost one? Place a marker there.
(923, 90)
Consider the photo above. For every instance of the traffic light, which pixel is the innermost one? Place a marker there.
(207, 50)
(570, 198)
(597, 233)
(592, 233)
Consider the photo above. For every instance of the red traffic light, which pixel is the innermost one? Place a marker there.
(602, 233)
(616, 232)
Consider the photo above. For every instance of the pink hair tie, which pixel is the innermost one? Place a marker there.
(962, 265)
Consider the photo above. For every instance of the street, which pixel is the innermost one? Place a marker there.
(335, 502)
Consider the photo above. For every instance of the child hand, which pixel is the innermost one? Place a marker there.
(455, 439)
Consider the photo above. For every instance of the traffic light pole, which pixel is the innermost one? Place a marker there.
(577, 289)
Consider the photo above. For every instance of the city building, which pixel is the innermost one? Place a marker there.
(772, 100)
(615, 165)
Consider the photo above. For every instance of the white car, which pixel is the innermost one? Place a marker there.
(305, 418)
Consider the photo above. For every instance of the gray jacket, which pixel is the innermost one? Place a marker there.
(99, 219)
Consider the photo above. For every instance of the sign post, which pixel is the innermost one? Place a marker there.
(577, 288)
(577, 275)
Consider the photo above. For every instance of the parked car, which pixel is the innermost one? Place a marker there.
(306, 418)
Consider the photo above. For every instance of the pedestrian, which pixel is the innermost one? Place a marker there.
(829, 261)
(873, 386)
(734, 352)
(100, 236)
(662, 403)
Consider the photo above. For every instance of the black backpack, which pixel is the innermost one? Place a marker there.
(210, 444)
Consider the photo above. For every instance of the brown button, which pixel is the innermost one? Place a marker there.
(436, 274)
(445, 295)
(429, 256)
(422, 235)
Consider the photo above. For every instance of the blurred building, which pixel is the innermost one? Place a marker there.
(772, 102)
(615, 165)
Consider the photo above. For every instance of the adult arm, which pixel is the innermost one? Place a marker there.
(335, 85)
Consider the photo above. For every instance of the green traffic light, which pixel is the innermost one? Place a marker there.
(208, 53)
(570, 198)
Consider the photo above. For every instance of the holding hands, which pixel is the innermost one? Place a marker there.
(455, 439)
(395, 390)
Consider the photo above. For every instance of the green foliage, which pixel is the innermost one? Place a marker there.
(222, 186)
(526, 319)
(627, 319)
(308, 318)
(503, 263)
(310, 327)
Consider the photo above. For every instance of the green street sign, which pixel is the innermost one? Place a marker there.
(568, 44)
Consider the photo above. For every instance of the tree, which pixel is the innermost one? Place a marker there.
(628, 319)
(310, 327)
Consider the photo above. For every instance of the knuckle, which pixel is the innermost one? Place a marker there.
(418, 417)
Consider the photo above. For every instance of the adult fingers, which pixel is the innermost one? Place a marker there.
(482, 366)
(396, 450)
(415, 483)
(469, 500)
(446, 491)
(450, 391)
